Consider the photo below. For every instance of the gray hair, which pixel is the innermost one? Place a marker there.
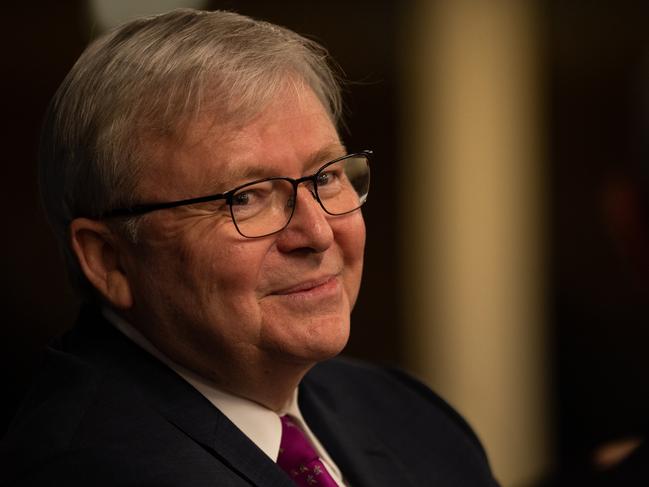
(148, 76)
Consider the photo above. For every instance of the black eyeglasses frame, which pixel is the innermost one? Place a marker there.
(142, 209)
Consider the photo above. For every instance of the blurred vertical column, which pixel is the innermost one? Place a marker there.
(472, 234)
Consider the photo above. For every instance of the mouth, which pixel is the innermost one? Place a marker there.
(322, 285)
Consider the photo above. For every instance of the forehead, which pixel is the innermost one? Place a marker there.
(293, 134)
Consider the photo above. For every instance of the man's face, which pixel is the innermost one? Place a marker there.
(210, 298)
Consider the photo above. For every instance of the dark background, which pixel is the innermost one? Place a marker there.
(596, 92)
(598, 119)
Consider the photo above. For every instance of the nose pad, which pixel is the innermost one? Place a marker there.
(291, 202)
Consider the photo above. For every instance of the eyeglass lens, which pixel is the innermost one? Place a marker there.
(266, 207)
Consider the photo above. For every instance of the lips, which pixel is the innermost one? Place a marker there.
(308, 285)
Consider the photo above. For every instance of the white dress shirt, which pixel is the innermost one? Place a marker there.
(260, 424)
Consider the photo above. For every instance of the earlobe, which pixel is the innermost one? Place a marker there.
(95, 246)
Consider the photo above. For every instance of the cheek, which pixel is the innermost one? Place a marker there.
(351, 239)
(210, 271)
(228, 271)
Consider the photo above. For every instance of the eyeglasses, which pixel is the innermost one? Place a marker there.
(266, 206)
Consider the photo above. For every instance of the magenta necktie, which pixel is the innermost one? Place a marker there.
(299, 459)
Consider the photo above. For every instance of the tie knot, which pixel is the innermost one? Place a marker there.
(294, 448)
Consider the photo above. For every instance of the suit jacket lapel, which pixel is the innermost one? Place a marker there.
(363, 459)
(188, 410)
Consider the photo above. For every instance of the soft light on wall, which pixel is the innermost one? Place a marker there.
(473, 222)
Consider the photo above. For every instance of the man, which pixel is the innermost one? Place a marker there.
(193, 173)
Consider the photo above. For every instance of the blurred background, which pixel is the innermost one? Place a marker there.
(507, 262)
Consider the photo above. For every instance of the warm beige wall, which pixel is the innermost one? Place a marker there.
(473, 222)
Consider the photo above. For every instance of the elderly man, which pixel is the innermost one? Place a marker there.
(210, 216)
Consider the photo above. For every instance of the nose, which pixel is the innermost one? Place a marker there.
(309, 229)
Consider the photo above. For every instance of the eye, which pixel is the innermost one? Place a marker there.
(241, 199)
(325, 177)
(253, 196)
(252, 201)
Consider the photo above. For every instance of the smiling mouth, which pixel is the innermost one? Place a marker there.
(316, 286)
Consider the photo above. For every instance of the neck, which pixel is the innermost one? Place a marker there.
(270, 384)
(273, 387)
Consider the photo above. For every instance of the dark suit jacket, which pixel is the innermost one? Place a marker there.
(104, 412)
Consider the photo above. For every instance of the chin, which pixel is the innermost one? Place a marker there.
(317, 341)
(329, 350)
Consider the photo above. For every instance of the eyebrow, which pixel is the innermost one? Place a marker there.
(253, 172)
(326, 154)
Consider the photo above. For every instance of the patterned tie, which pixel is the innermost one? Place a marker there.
(299, 459)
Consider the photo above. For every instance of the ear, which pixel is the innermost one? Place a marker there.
(97, 250)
